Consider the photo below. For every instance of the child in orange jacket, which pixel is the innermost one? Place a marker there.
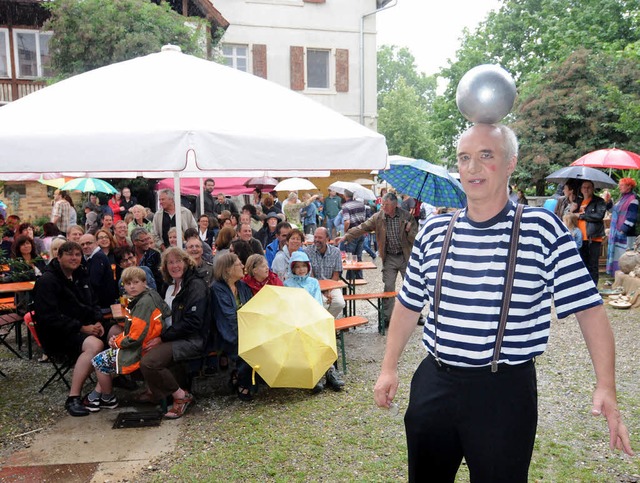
(144, 314)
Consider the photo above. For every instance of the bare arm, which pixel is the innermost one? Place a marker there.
(598, 336)
(403, 323)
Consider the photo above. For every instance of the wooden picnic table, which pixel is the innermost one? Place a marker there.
(12, 287)
(329, 284)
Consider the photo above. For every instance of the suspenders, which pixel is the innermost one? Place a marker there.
(508, 285)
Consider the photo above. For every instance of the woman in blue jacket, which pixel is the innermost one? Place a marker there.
(228, 294)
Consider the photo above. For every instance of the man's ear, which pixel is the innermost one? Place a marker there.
(512, 164)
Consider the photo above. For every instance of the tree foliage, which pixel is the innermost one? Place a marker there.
(580, 105)
(93, 33)
(399, 63)
(404, 121)
(530, 38)
(405, 97)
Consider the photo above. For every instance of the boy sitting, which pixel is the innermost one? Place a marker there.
(144, 315)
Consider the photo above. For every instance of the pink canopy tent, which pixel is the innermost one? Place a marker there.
(191, 186)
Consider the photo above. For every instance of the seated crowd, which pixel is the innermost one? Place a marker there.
(179, 302)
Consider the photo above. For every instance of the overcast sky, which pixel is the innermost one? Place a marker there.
(431, 30)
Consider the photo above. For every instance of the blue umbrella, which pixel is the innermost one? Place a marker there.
(89, 185)
(426, 182)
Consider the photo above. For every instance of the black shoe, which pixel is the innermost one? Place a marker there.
(74, 406)
(334, 379)
(110, 403)
(421, 320)
(318, 388)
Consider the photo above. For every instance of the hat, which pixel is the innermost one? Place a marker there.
(348, 193)
(272, 214)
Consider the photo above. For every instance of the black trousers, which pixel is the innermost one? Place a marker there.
(590, 253)
(488, 418)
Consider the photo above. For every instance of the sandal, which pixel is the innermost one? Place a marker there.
(244, 393)
(180, 406)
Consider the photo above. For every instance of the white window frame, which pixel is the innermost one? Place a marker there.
(5, 32)
(330, 89)
(37, 33)
(234, 57)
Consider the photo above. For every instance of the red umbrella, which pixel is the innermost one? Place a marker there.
(609, 158)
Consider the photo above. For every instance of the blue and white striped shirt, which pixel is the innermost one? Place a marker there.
(548, 267)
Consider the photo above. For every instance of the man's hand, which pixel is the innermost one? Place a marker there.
(152, 343)
(407, 228)
(604, 402)
(385, 389)
(93, 329)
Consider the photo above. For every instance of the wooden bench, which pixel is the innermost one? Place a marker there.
(7, 304)
(343, 325)
(379, 297)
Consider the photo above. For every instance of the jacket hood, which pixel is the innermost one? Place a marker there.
(299, 256)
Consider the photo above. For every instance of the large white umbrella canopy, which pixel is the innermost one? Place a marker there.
(295, 184)
(146, 114)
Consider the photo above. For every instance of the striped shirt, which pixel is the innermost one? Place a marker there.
(548, 267)
(354, 212)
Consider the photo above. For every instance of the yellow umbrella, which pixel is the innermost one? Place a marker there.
(55, 182)
(287, 337)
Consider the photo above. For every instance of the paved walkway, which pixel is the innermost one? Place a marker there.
(87, 449)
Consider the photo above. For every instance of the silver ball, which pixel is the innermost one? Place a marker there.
(486, 94)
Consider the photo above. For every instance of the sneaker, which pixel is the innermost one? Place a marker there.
(93, 405)
(334, 379)
(110, 403)
(75, 408)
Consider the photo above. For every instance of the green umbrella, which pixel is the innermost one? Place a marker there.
(89, 185)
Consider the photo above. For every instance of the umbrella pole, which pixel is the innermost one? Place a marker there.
(178, 203)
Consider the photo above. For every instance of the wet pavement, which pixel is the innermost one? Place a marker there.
(87, 449)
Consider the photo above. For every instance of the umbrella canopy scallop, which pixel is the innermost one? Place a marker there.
(287, 337)
(89, 185)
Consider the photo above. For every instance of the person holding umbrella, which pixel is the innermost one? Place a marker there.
(624, 217)
(590, 221)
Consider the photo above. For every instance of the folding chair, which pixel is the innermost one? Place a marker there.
(9, 322)
(61, 366)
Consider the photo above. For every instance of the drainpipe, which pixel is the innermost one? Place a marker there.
(362, 55)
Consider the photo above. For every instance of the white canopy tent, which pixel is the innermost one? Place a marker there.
(146, 114)
(153, 113)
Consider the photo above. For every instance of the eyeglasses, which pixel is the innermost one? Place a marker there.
(129, 258)
(103, 237)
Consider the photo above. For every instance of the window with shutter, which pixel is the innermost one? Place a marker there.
(318, 69)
